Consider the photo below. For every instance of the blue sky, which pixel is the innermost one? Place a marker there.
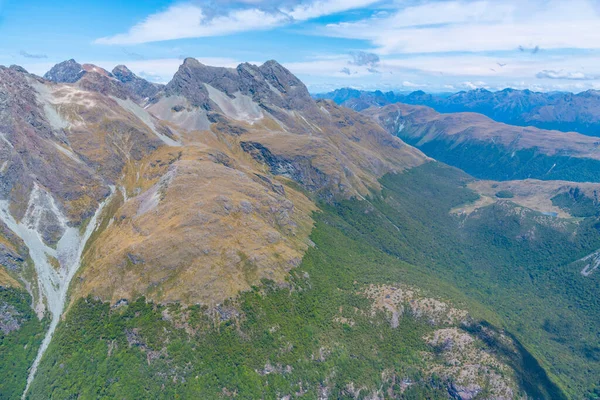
(404, 45)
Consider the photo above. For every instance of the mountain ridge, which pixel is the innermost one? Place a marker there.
(554, 110)
(228, 234)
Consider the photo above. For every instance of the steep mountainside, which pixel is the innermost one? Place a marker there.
(565, 112)
(490, 150)
(228, 236)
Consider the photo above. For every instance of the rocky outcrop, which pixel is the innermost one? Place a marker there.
(69, 71)
(298, 168)
(138, 88)
(9, 318)
(467, 364)
(269, 87)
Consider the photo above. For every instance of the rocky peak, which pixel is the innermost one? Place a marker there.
(270, 85)
(122, 73)
(96, 69)
(279, 76)
(18, 68)
(69, 71)
(104, 83)
(138, 87)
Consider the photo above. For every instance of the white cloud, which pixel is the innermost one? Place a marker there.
(409, 84)
(562, 74)
(483, 25)
(303, 12)
(188, 20)
(474, 85)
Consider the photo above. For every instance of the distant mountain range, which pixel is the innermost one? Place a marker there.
(488, 149)
(556, 111)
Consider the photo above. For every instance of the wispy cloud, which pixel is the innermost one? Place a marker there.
(188, 21)
(412, 85)
(32, 55)
(303, 12)
(182, 21)
(475, 26)
(568, 75)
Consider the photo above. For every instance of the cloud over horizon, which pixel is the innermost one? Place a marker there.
(439, 45)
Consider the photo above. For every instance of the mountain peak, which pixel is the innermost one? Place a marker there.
(272, 69)
(192, 62)
(121, 69)
(271, 84)
(69, 71)
(19, 69)
(136, 86)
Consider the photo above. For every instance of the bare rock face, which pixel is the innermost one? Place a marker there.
(69, 71)
(270, 87)
(9, 319)
(31, 148)
(138, 88)
(121, 82)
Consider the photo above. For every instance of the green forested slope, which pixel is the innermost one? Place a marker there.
(21, 334)
(489, 161)
(316, 333)
(517, 262)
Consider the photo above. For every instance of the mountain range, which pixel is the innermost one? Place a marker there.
(565, 112)
(227, 235)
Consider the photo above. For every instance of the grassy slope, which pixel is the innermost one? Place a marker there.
(489, 161)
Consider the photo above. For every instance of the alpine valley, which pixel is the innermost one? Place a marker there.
(226, 235)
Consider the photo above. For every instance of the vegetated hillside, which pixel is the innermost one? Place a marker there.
(228, 236)
(490, 150)
(21, 333)
(514, 260)
(567, 112)
(358, 285)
